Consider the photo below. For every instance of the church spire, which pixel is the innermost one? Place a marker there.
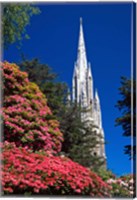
(83, 92)
(81, 57)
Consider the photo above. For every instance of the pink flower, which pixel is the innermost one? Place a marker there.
(78, 190)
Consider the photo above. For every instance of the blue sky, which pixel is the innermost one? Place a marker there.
(107, 31)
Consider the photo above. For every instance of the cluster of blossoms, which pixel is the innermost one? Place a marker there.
(28, 172)
(122, 186)
(28, 121)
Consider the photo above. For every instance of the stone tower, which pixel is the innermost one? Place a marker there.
(83, 93)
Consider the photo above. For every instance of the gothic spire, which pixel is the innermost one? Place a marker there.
(81, 57)
(83, 92)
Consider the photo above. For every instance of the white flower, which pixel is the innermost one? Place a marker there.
(131, 181)
(125, 184)
(122, 183)
(131, 188)
(62, 156)
(131, 192)
(109, 181)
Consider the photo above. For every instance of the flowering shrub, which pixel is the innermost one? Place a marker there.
(34, 173)
(28, 121)
(130, 181)
(122, 186)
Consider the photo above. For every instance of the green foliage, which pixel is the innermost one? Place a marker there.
(71, 126)
(15, 18)
(105, 174)
(37, 72)
(56, 95)
(127, 106)
(42, 75)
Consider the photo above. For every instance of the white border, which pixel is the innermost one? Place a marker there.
(63, 1)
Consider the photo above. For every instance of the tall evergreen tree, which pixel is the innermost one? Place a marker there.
(127, 106)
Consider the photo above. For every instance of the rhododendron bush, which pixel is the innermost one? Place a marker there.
(25, 171)
(27, 118)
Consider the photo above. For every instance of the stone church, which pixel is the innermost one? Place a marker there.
(83, 94)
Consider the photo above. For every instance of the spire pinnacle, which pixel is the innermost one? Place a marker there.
(81, 45)
(96, 96)
(89, 71)
(80, 20)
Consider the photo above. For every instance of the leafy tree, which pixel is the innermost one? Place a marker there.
(37, 72)
(127, 106)
(57, 95)
(42, 75)
(15, 18)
